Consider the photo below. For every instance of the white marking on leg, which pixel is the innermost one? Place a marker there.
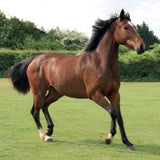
(41, 133)
(47, 138)
(110, 136)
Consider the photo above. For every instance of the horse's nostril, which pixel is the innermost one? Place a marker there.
(142, 48)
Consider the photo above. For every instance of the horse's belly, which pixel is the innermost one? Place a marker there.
(72, 89)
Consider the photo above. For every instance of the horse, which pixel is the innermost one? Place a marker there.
(92, 74)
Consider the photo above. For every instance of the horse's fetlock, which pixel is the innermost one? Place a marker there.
(113, 132)
(49, 132)
(51, 126)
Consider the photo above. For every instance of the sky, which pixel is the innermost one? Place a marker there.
(80, 15)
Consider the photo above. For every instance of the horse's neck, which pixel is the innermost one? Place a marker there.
(108, 52)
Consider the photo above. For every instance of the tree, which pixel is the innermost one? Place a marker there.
(19, 34)
(69, 40)
(3, 23)
(147, 35)
(18, 30)
(14, 31)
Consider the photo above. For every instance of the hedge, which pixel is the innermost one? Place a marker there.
(132, 67)
(139, 68)
(9, 58)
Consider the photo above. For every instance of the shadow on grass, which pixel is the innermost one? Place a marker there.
(149, 148)
(84, 142)
(152, 149)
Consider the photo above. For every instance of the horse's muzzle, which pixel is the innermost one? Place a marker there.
(141, 49)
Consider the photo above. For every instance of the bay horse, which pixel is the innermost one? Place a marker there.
(92, 74)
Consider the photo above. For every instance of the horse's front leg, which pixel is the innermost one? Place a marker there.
(101, 100)
(115, 102)
(112, 132)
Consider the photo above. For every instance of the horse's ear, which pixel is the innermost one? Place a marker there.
(122, 14)
(128, 15)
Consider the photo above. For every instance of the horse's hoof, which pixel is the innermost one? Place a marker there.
(108, 140)
(131, 148)
(48, 139)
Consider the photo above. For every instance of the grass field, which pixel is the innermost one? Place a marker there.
(81, 127)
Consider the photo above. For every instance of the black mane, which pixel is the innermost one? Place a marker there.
(99, 29)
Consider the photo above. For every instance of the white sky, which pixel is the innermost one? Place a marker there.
(81, 14)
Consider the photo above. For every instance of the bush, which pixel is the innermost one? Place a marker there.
(9, 58)
(43, 43)
(132, 67)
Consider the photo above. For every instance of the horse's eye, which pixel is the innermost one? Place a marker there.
(126, 28)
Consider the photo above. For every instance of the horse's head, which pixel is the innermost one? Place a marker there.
(126, 34)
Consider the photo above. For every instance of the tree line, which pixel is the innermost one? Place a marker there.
(19, 34)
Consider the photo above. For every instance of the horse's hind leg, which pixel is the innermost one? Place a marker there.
(35, 113)
(52, 96)
(38, 103)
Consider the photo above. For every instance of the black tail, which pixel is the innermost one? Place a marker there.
(18, 75)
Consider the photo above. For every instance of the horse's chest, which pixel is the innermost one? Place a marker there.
(108, 85)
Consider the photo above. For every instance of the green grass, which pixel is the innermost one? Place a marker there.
(81, 127)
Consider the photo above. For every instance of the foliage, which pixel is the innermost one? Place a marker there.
(19, 34)
(57, 39)
(156, 50)
(81, 127)
(10, 57)
(71, 40)
(123, 50)
(25, 36)
(147, 35)
(2, 29)
(14, 31)
(132, 67)
(43, 43)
